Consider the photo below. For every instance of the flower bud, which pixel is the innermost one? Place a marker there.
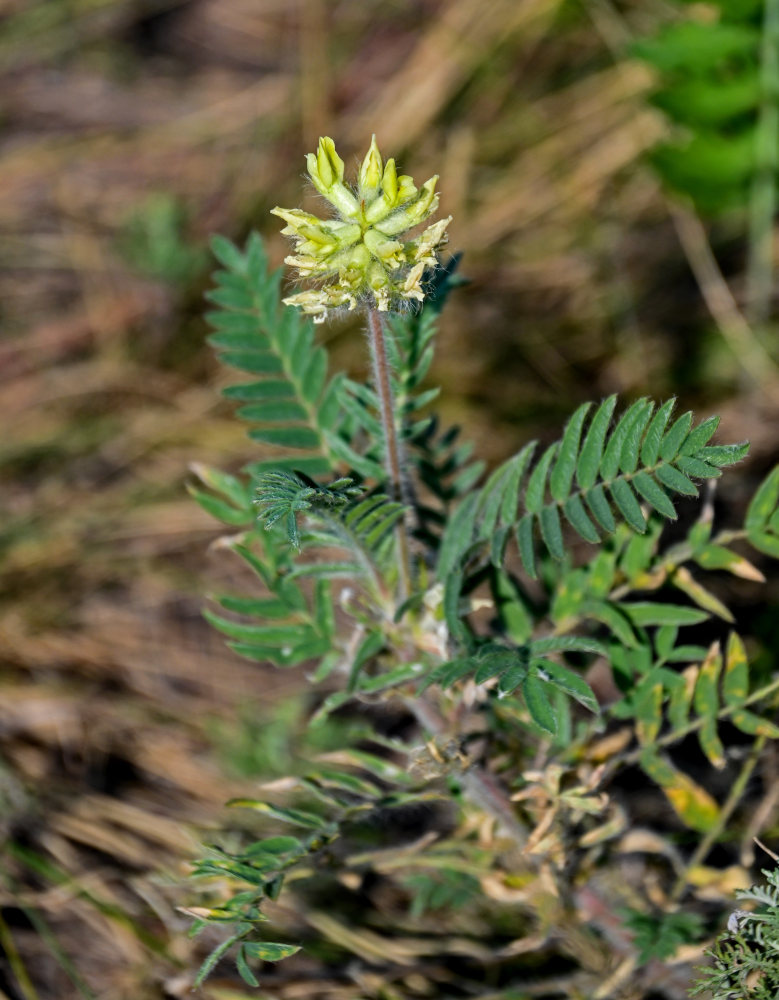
(413, 213)
(370, 173)
(326, 170)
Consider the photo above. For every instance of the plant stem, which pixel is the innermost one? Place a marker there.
(762, 201)
(392, 455)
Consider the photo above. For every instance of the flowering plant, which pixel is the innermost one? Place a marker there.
(408, 584)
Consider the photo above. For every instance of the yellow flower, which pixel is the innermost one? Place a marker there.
(359, 254)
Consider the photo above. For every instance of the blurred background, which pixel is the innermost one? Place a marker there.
(611, 172)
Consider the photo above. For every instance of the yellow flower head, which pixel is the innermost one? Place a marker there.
(359, 254)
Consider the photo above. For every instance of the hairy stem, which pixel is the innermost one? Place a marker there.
(392, 455)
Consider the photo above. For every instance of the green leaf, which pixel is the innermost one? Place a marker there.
(255, 362)
(270, 635)
(566, 644)
(610, 616)
(269, 951)
(568, 681)
(273, 409)
(562, 474)
(517, 466)
(260, 607)
(694, 467)
(700, 436)
(511, 679)
(220, 509)
(239, 340)
(592, 449)
(654, 495)
(625, 499)
(525, 544)
(763, 503)
(675, 437)
(723, 455)
(534, 691)
(265, 390)
(629, 456)
(210, 963)
(648, 613)
(457, 536)
(493, 663)
(298, 817)
(536, 487)
(227, 253)
(769, 544)
(599, 506)
(236, 491)
(243, 969)
(612, 456)
(676, 481)
(650, 450)
(314, 376)
(579, 520)
(287, 437)
(551, 530)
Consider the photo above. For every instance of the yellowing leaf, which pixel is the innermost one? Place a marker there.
(735, 680)
(692, 804)
(686, 582)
